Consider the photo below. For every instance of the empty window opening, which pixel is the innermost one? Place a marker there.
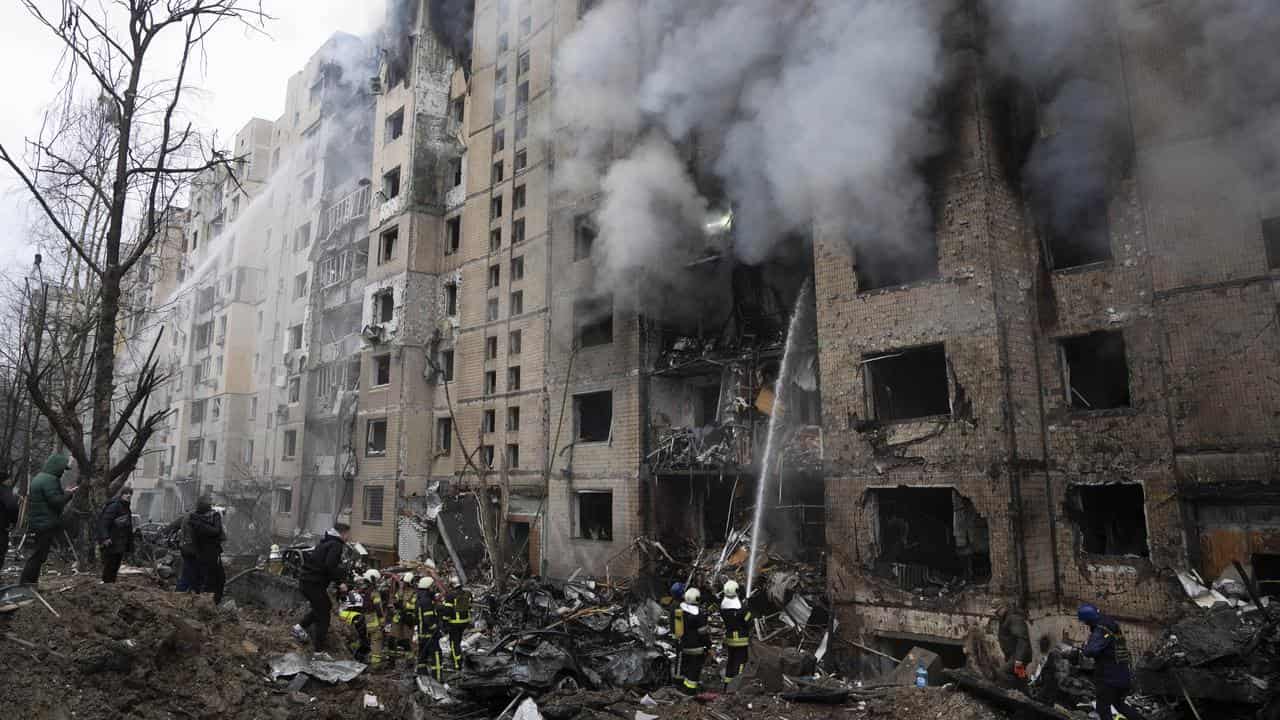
(395, 125)
(517, 302)
(295, 337)
(929, 536)
(513, 378)
(888, 264)
(495, 276)
(522, 156)
(452, 235)
(495, 239)
(491, 382)
(486, 455)
(444, 435)
(517, 268)
(1111, 519)
(513, 456)
(950, 652)
(513, 419)
(708, 405)
(451, 299)
(455, 171)
(518, 198)
(284, 501)
(491, 348)
(290, 444)
(391, 184)
(499, 141)
(1080, 236)
(594, 413)
(375, 442)
(584, 237)
(491, 310)
(907, 384)
(495, 207)
(457, 109)
(496, 174)
(381, 369)
(372, 510)
(1271, 237)
(593, 322)
(595, 515)
(1095, 372)
(1266, 573)
(387, 245)
(489, 422)
(517, 232)
(385, 304)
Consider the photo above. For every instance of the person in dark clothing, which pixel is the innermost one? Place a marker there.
(1112, 675)
(737, 631)
(322, 568)
(45, 500)
(1014, 636)
(455, 610)
(428, 630)
(114, 533)
(691, 630)
(205, 527)
(8, 514)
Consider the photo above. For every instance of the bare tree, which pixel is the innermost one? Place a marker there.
(105, 199)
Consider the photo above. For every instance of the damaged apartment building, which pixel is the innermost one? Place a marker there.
(1055, 412)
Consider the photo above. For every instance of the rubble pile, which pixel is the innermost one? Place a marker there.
(1223, 657)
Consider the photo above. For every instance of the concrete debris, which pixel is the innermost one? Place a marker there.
(320, 666)
(528, 710)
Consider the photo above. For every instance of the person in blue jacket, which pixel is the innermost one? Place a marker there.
(1112, 674)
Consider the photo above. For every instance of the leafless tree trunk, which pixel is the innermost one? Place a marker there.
(120, 186)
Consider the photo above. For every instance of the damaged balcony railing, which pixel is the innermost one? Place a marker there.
(702, 448)
(353, 205)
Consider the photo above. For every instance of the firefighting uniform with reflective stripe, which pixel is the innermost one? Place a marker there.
(404, 619)
(456, 613)
(364, 612)
(429, 656)
(691, 629)
(737, 636)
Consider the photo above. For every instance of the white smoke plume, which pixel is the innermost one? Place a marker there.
(799, 111)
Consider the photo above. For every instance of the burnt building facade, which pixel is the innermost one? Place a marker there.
(1057, 415)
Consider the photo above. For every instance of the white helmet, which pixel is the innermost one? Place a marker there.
(731, 589)
(425, 583)
(431, 563)
(692, 596)
(372, 576)
(455, 581)
(407, 578)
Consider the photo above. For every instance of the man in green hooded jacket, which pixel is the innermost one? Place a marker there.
(45, 500)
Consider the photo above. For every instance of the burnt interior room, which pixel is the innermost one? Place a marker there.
(1266, 573)
(1110, 519)
(1095, 371)
(908, 384)
(929, 536)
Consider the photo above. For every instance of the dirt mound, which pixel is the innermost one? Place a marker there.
(136, 650)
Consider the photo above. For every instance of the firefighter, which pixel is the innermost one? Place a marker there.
(351, 611)
(737, 631)
(691, 629)
(364, 612)
(429, 662)
(405, 615)
(456, 611)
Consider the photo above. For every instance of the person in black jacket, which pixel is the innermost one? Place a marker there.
(691, 631)
(114, 533)
(1113, 673)
(8, 512)
(207, 535)
(322, 568)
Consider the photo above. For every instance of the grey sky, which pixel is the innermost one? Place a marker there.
(244, 78)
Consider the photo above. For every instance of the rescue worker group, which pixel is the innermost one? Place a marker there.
(403, 619)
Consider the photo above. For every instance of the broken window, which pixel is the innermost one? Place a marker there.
(495, 276)
(451, 299)
(523, 63)
(372, 502)
(517, 268)
(1271, 238)
(489, 421)
(594, 416)
(499, 141)
(197, 412)
(295, 389)
(490, 382)
(495, 207)
(517, 231)
(513, 342)
(522, 95)
(907, 384)
(290, 444)
(887, 264)
(1111, 519)
(517, 302)
(395, 125)
(193, 450)
(593, 322)
(295, 337)
(595, 514)
(391, 184)
(513, 419)
(491, 310)
(457, 109)
(513, 378)
(1081, 238)
(444, 435)
(387, 245)
(385, 306)
(486, 455)
(708, 405)
(284, 501)
(300, 286)
(446, 364)
(496, 176)
(452, 235)
(495, 239)
(455, 171)
(203, 333)
(513, 456)
(1266, 573)
(929, 536)
(522, 156)
(211, 454)
(584, 236)
(1095, 371)
(491, 348)
(518, 198)
(381, 370)
(375, 438)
